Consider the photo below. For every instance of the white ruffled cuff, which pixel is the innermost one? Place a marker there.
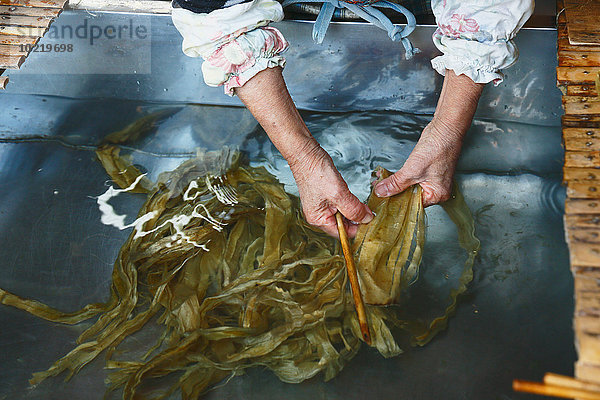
(235, 42)
(482, 62)
(236, 62)
(476, 36)
(477, 73)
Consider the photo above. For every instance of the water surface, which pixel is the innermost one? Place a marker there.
(515, 320)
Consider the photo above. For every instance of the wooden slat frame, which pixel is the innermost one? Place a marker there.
(581, 90)
(577, 74)
(578, 59)
(582, 206)
(22, 30)
(582, 144)
(582, 21)
(23, 23)
(35, 3)
(18, 40)
(585, 254)
(588, 372)
(11, 62)
(143, 6)
(583, 190)
(564, 45)
(582, 221)
(584, 235)
(583, 108)
(581, 133)
(581, 174)
(581, 121)
(585, 159)
(28, 21)
(30, 11)
(12, 50)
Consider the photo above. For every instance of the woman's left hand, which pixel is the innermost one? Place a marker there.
(433, 160)
(431, 164)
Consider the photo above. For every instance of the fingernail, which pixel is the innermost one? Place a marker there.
(368, 218)
(381, 190)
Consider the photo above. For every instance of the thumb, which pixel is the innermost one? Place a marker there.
(392, 185)
(354, 210)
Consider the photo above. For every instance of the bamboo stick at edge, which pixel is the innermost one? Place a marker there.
(554, 391)
(567, 381)
(353, 277)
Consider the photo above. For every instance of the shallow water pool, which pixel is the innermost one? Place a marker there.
(514, 321)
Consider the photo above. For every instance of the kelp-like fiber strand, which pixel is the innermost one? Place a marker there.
(223, 260)
(389, 249)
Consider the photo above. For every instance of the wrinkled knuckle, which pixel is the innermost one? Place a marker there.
(354, 211)
(312, 220)
(394, 183)
(444, 196)
(339, 195)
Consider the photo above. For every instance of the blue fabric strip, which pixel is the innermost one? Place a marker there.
(367, 11)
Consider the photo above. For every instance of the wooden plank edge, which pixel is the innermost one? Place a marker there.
(583, 235)
(581, 174)
(580, 133)
(583, 190)
(580, 90)
(35, 3)
(11, 62)
(135, 6)
(30, 11)
(581, 144)
(25, 21)
(18, 40)
(582, 206)
(582, 221)
(580, 121)
(578, 59)
(13, 50)
(22, 30)
(582, 159)
(567, 75)
(588, 372)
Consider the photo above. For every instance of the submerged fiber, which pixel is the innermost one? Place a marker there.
(223, 261)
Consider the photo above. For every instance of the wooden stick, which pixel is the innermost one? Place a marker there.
(353, 276)
(567, 381)
(554, 391)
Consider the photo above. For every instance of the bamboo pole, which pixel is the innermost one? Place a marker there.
(353, 277)
(554, 391)
(567, 381)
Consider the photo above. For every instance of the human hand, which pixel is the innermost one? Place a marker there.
(323, 192)
(431, 164)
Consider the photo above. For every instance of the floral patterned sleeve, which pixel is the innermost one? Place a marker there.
(235, 42)
(476, 36)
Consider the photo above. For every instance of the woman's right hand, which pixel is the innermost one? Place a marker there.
(323, 192)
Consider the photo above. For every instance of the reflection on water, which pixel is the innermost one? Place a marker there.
(514, 321)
